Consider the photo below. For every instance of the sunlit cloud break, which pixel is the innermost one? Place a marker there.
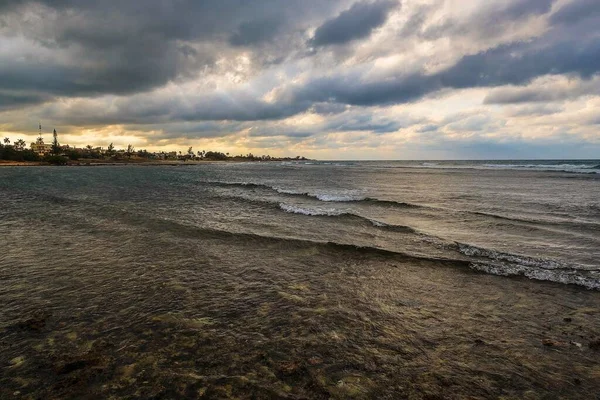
(383, 79)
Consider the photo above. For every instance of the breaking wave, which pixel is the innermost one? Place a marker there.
(544, 167)
(474, 257)
(505, 264)
(340, 213)
(324, 197)
(312, 212)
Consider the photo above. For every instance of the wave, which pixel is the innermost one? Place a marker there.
(324, 197)
(506, 264)
(340, 198)
(542, 167)
(472, 257)
(589, 280)
(312, 212)
(340, 213)
(474, 251)
(323, 212)
(478, 259)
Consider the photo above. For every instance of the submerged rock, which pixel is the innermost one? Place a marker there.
(35, 322)
(550, 343)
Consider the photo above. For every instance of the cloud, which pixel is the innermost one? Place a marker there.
(550, 89)
(355, 23)
(487, 19)
(255, 32)
(15, 100)
(80, 48)
(536, 110)
(336, 74)
(576, 10)
(427, 128)
(513, 64)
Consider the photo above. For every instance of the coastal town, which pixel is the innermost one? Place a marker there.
(41, 152)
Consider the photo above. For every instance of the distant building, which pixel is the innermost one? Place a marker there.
(40, 147)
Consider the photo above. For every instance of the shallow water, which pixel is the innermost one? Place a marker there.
(298, 280)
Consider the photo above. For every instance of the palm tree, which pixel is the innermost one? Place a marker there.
(110, 150)
(20, 145)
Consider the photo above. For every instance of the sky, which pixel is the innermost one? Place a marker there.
(326, 79)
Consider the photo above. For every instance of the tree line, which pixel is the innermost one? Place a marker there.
(18, 151)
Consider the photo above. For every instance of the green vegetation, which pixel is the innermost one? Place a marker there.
(58, 154)
(56, 150)
(17, 151)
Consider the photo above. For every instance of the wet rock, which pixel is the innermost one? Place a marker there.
(70, 366)
(315, 361)
(288, 367)
(550, 343)
(17, 361)
(35, 322)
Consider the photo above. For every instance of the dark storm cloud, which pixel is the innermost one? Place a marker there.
(15, 100)
(513, 64)
(364, 123)
(350, 89)
(274, 131)
(254, 32)
(355, 23)
(126, 46)
(328, 108)
(519, 63)
(155, 109)
(123, 70)
(168, 70)
(576, 10)
(543, 92)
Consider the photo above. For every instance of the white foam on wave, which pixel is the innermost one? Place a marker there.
(475, 251)
(339, 197)
(325, 197)
(310, 211)
(505, 264)
(573, 277)
(287, 191)
(545, 166)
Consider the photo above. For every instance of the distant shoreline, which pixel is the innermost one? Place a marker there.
(4, 163)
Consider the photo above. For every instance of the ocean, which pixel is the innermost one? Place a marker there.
(290, 279)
